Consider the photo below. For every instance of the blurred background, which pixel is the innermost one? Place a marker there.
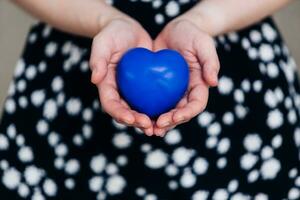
(14, 25)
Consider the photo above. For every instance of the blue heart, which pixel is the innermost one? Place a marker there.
(152, 82)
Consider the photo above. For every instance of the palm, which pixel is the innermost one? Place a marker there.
(198, 50)
(108, 47)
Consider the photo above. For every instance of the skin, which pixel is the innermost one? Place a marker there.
(114, 32)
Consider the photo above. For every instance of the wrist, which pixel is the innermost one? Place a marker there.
(204, 19)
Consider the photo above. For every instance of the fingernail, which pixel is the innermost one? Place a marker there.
(165, 124)
(180, 119)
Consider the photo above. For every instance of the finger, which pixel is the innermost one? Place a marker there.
(141, 120)
(167, 130)
(110, 101)
(159, 43)
(165, 119)
(208, 58)
(99, 60)
(197, 100)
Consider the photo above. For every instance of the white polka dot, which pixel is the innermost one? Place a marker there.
(37, 196)
(87, 131)
(53, 139)
(220, 194)
(11, 178)
(30, 72)
(33, 175)
(116, 124)
(21, 85)
(84, 66)
(57, 84)
(181, 156)
(294, 193)
(173, 137)
(111, 169)
(42, 127)
(11, 131)
(122, 140)
(200, 195)
(77, 140)
(73, 106)
(225, 85)
(252, 53)
(274, 119)
(23, 190)
(205, 118)
(246, 85)
(233, 185)
(146, 148)
(23, 102)
(115, 184)
(261, 196)
(70, 183)
(150, 197)
(4, 144)
(87, 114)
(72, 166)
(270, 168)
(211, 142)
(239, 196)
(159, 18)
(233, 37)
(50, 187)
(122, 160)
(268, 32)
(10, 106)
(214, 129)
(19, 68)
(172, 9)
(98, 163)
(171, 170)
(50, 109)
(267, 152)
(156, 3)
(266, 52)
(292, 116)
(140, 191)
(51, 48)
(248, 160)
(188, 179)
(59, 163)
(221, 163)
(38, 97)
(252, 142)
(270, 99)
(228, 118)
(277, 141)
(255, 36)
(42, 66)
(200, 166)
(223, 146)
(257, 85)
(272, 70)
(96, 183)
(156, 159)
(239, 96)
(25, 154)
(245, 43)
(4, 165)
(253, 176)
(173, 185)
(61, 150)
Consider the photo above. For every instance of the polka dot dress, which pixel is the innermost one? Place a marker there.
(57, 143)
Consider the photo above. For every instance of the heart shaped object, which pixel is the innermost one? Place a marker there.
(152, 82)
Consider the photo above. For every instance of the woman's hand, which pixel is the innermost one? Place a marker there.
(109, 45)
(198, 49)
